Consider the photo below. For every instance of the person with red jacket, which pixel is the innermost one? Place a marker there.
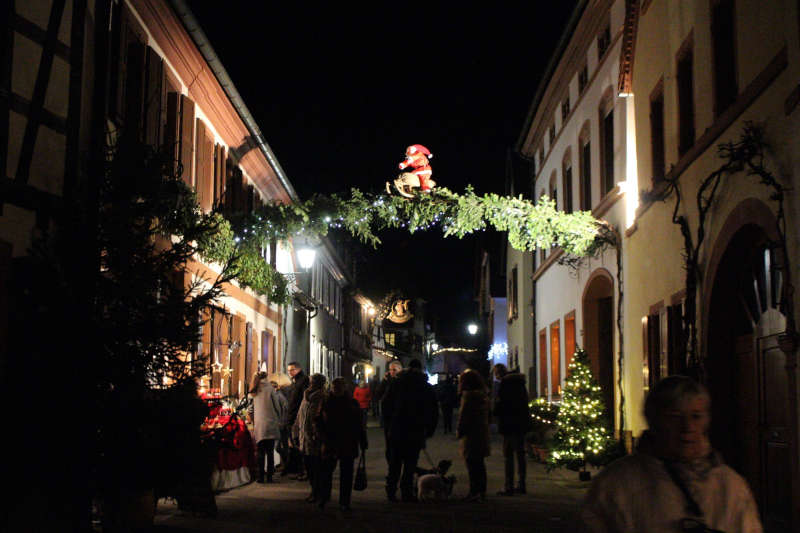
(363, 395)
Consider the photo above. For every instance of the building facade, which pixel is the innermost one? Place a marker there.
(638, 99)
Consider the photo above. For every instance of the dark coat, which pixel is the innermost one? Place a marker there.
(300, 383)
(473, 424)
(341, 428)
(411, 409)
(447, 394)
(511, 409)
(380, 395)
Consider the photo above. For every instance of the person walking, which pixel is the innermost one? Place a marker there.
(281, 383)
(305, 432)
(363, 395)
(343, 434)
(447, 397)
(266, 411)
(395, 367)
(473, 432)
(411, 413)
(675, 481)
(513, 422)
(294, 396)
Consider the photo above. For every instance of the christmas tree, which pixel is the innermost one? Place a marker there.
(581, 434)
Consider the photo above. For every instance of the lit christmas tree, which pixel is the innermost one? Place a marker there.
(581, 434)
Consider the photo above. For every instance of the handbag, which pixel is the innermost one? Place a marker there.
(360, 482)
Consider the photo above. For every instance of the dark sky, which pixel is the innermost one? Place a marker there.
(339, 92)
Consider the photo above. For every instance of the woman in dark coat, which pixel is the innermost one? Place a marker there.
(473, 432)
(342, 435)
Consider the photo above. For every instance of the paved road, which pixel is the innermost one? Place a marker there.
(549, 506)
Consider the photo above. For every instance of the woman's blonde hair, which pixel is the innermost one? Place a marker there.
(281, 379)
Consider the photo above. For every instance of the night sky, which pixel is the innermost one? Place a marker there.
(339, 93)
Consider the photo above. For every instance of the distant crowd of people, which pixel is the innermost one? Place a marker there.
(674, 481)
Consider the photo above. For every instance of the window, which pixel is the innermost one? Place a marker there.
(685, 80)
(513, 310)
(541, 155)
(569, 338)
(553, 192)
(723, 37)
(607, 147)
(603, 42)
(567, 171)
(583, 78)
(665, 342)
(565, 109)
(552, 134)
(542, 251)
(389, 338)
(586, 175)
(657, 133)
(555, 358)
(543, 388)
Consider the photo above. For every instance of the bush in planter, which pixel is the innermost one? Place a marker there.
(543, 417)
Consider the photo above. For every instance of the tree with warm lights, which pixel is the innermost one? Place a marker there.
(581, 435)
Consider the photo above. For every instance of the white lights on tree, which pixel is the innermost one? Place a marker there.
(498, 350)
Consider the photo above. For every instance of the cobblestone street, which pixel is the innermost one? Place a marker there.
(550, 505)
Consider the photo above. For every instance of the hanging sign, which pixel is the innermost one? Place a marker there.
(399, 313)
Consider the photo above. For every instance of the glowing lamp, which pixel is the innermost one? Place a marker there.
(472, 329)
(305, 256)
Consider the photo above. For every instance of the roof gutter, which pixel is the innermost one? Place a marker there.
(199, 37)
(548, 73)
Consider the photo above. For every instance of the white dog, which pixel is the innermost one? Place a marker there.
(433, 485)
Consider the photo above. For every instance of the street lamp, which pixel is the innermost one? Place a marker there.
(472, 329)
(434, 347)
(305, 256)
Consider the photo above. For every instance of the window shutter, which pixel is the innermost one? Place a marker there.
(154, 89)
(172, 128)
(653, 349)
(220, 172)
(134, 88)
(233, 190)
(676, 342)
(248, 357)
(236, 356)
(204, 171)
(186, 150)
(205, 341)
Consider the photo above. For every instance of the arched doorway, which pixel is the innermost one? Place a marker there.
(747, 370)
(598, 333)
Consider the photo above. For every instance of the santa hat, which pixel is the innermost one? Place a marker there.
(418, 147)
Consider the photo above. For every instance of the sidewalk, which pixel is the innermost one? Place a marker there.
(550, 506)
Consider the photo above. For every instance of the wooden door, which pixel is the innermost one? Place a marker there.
(773, 436)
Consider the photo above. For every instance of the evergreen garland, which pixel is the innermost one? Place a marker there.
(581, 434)
(242, 237)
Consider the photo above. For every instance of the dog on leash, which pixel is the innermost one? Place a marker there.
(435, 485)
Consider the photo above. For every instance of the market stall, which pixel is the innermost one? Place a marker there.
(235, 457)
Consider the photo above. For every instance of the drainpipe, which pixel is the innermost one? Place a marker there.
(183, 12)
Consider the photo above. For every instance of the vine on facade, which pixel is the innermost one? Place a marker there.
(745, 155)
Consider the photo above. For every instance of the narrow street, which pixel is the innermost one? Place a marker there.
(550, 506)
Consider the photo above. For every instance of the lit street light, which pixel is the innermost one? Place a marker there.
(472, 329)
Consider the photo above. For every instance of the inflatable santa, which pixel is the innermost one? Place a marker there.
(417, 157)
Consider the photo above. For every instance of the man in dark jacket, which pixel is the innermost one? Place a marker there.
(395, 367)
(300, 383)
(411, 413)
(513, 422)
(447, 396)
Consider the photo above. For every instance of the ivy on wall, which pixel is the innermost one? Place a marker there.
(242, 238)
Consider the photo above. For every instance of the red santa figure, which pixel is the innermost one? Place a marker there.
(417, 157)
